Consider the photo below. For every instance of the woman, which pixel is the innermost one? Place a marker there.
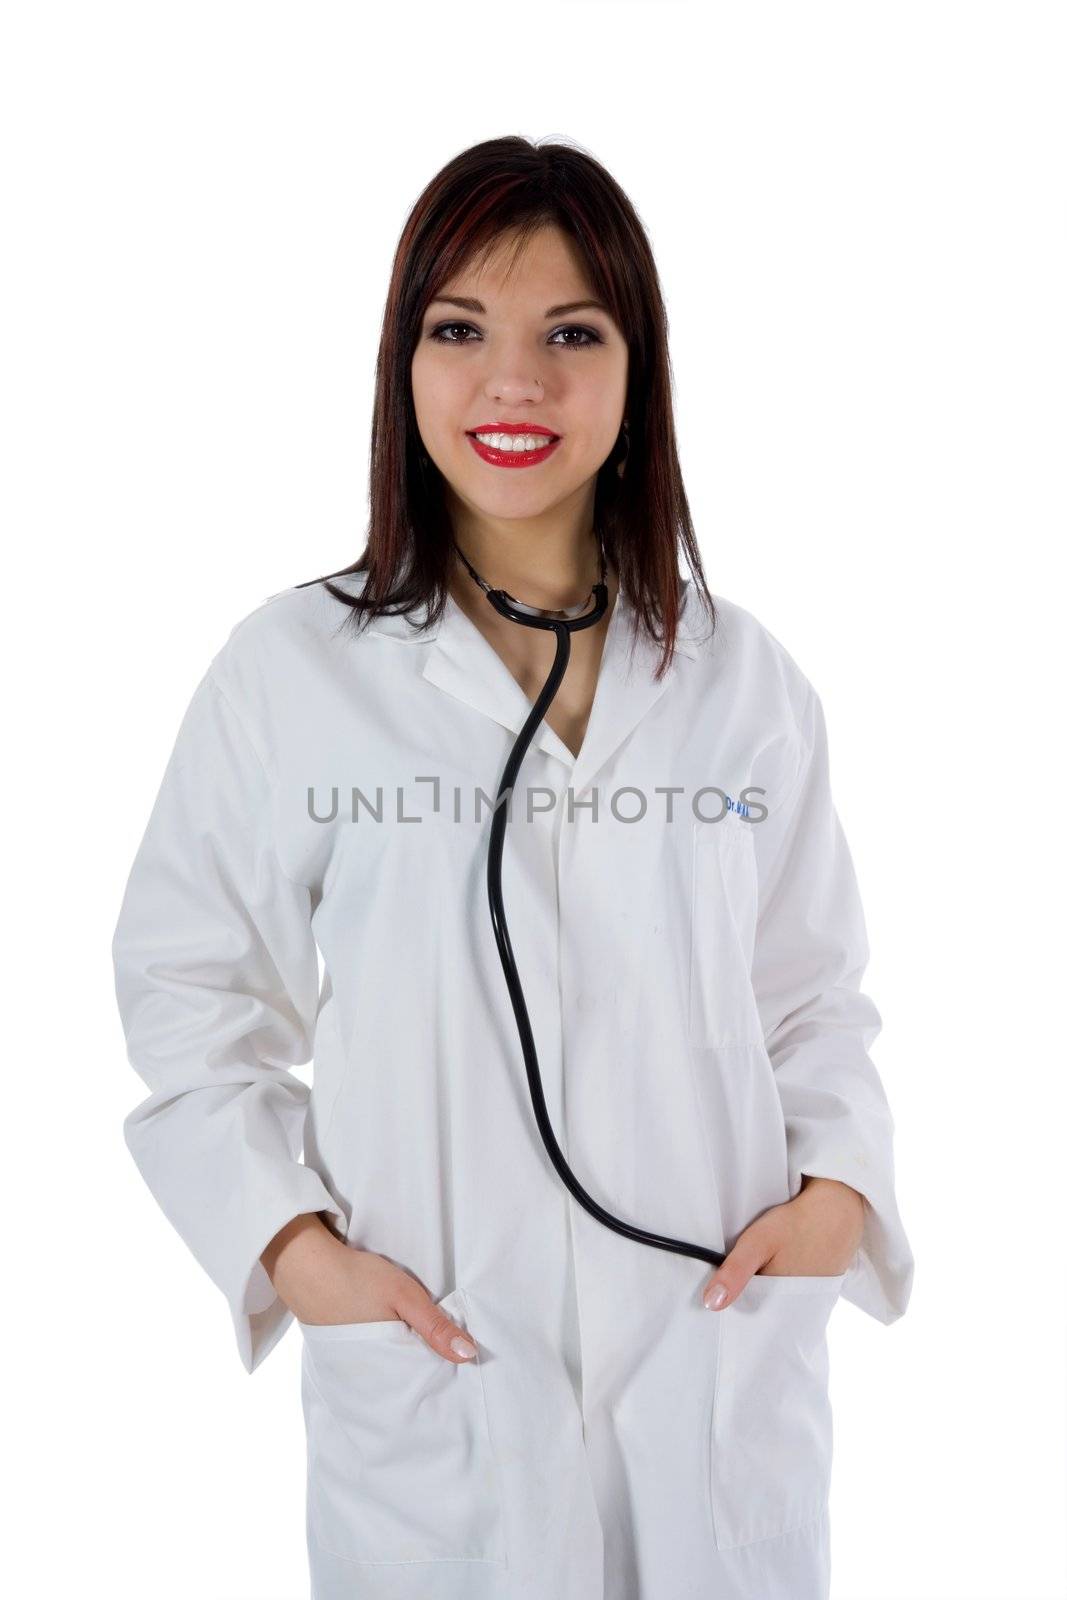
(505, 1397)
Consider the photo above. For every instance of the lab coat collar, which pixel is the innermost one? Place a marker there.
(461, 662)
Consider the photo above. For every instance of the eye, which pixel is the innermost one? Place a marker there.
(591, 337)
(438, 333)
(443, 333)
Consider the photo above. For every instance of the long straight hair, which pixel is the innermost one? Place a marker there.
(514, 186)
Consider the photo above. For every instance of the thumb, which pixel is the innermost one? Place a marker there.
(433, 1325)
(750, 1253)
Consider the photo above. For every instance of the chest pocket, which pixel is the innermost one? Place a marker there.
(722, 1006)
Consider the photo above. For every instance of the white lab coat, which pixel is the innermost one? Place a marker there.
(694, 992)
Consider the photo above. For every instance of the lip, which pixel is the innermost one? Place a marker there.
(514, 458)
(513, 427)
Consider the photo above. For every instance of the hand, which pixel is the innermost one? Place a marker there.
(815, 1234)
(323, 1280)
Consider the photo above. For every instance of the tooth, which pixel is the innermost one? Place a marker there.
(514, 442)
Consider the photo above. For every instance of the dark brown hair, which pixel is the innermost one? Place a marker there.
(488, 190)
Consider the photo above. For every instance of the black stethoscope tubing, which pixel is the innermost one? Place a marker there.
(562, 627)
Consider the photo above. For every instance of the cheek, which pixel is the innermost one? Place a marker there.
(436, 396)
(597, 404)
(589, 446)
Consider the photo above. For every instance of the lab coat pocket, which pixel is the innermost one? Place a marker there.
(400, 1461)
(722, 1005)
(772, 1427)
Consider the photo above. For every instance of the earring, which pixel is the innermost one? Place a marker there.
(625, 436)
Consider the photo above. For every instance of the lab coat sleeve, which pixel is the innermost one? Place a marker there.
(216, 976)
(810, 955)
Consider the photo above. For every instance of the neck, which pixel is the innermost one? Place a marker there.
(549, 572)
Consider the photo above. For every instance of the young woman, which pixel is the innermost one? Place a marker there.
(508, 1397)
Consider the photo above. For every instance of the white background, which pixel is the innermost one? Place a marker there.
(858, 215)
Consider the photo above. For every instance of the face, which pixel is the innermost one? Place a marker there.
(515, 356)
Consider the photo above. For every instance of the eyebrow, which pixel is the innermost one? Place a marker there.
(466, 304)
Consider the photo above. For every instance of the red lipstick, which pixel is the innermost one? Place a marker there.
(513, 458)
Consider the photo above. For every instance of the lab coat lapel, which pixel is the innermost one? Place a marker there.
(627, 688)
(461, 662)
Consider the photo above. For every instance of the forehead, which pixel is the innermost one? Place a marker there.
(515, 269)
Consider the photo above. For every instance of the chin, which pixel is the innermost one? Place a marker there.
(506, 507)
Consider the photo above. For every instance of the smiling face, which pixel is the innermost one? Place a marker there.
(525, 354)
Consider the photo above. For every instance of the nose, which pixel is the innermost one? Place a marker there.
(514, 390)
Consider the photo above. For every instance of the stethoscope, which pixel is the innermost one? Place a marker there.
(563, 622)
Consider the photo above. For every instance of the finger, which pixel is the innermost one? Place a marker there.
(438, 1330)
(745, 1259)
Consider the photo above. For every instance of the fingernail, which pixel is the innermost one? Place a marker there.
(463, 1347)
(716, 1297)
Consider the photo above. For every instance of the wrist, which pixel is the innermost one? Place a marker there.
(300, 1253)
(829, 1186)
(833, 1209)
